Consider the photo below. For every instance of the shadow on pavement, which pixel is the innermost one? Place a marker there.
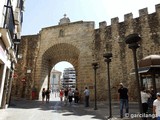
(79, 110)
(74, 109)
(58, 107)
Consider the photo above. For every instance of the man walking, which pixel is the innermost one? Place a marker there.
(48, 95)
(86, 93)
(145, 95)
(156, 106)
(65, 96)
(123, 97)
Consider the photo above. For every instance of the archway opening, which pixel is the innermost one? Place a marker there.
(55, 59)
(62, 75)
(60, 66)
(66, 76)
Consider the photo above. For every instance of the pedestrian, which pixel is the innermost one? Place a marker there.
(70, 95)
(156, 106)
(76, 95)
(43, 94)
(65, 95)
(86, 94)
(153, 96)
(144, 98)
(61, 95)
(47, 95)
(153, 93)
(151, 99)
(123, 98)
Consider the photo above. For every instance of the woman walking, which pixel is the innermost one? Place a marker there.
(65, 96)
(76, 95)
(70, 95)
(43, 94)
(61, 95)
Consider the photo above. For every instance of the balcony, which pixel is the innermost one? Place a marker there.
(18, 19)
(6, 37)
(17, 16)
(13, 55)
(9, 22)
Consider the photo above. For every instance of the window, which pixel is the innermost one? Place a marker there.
(1, 72)
(61, 33)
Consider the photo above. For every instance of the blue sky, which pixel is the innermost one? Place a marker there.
(44, 13)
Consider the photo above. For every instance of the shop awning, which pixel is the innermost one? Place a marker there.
(141, 70)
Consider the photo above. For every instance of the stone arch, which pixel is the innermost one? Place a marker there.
(56, 53)
(74, 47)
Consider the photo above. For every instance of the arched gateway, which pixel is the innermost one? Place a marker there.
(80, 43)
(70, 42)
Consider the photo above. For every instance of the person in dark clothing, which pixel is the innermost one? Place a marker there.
(145, 95)
(123, 98)
(76, 95)
(43, 95)
(47, 95)
(70, 95)
(66, 96)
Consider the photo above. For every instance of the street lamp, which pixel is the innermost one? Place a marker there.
(132, 41)
(49, 71)
(23, 88)
(107, 57)
(95, 66)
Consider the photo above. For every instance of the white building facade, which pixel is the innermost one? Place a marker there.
(69, 78)
(55, 80)
(11, 17)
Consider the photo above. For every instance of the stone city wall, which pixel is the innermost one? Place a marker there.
(80, 44)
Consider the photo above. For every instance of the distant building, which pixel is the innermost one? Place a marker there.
(11, 18)
(69, 78)
(55, 80)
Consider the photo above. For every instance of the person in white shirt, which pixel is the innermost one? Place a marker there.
(70, 95)
(144, 98)
(156, 106)
(86, 93)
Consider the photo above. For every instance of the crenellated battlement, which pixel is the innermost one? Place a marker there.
(114, 20)
(112, 38)
(143, 12)
(127, 17)
(157, 8)
(102, 24)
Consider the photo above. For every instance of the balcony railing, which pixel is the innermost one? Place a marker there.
(9, 25)
(9, 20)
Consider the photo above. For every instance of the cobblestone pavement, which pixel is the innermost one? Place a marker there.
(56, 110)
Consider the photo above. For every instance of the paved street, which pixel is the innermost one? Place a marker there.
(55, 110)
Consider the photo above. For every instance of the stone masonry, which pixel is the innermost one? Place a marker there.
(79, 43)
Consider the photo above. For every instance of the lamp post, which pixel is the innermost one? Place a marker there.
(132, 41)
(107, 57)
(95, 66)
(49, 71)
(23, 88)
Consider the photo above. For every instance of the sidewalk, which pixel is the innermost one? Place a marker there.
(22, 108)
(103, 109)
